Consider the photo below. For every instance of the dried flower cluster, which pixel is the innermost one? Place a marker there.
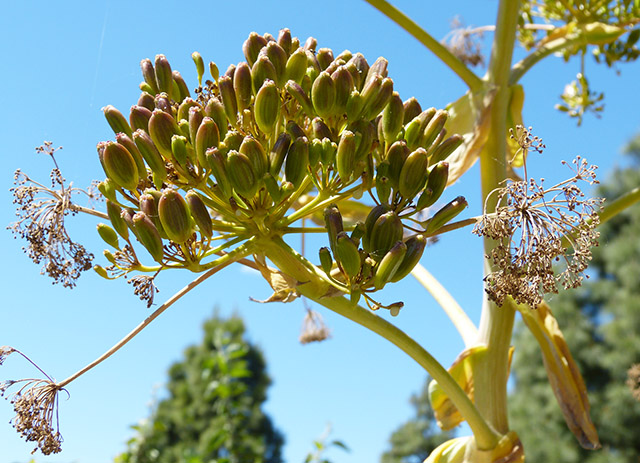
(534, 227)
(5, 351)
(633, 380)
(465, 43)
(41, 214)
(313, 328)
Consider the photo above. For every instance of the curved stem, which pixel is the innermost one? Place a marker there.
(224, 261)
(88, 210)
(458, 67)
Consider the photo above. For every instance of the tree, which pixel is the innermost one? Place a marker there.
(213, 412)
(601, 322)
(414, 440)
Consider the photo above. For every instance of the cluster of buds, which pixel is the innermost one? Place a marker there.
(185, 174)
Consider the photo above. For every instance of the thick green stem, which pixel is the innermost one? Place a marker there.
(496, 323)
(311, 285)
(469, 77)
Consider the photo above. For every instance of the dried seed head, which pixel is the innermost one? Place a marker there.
(144, 288)
(5, 351)
(313, 328)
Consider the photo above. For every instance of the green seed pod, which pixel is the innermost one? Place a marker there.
(108, 189)
(131, 147)
(175, 216)
(109, 256)
(378, 68)
(127, 216)
(435, 185)
(267, 107)
(149, 74)
(383, 189)
(374, 108)
(214, 71)
(354, 107)
(333, 224)
(262, 70)
(294, 130)
(196, 116)
(412, 109)
(315, 153)
(185, 106)
(139, 118)
(296, 66)
(445, 148)
(215, 110)
(181, 85)
(101, 271)
(415, 249)
(163, 103)
(150, 154)
(199, 62)
(346, 156)
(233, 140)
(324, 57)
(392, 118)
(326, 262)
(284, 40)
(347, 255)
(217, 163)
(358, 232)
(179, 150)
(328, 153)
(148, 235)
(272, 187)
(433, 128)
(389, 265)
(365, 132)
(371, 219)
(164, 77)
(446, 214)
(297, 161)
(108, 235)
(207, 137)
(385, 232)
(396, 156)
(252, 46)
(359, 69)
(242, 85)
(323, 95)
(146, 100)
(413, 131)
(278, 153)
(278, 58)
(344, 86)
(369, 94)
(320, 129)
(120, 166)
(116, 120)
(149, 205)
(241, 174)
(301, 97)
(253, 150)
(162, 127)
(311, 44)
(114, 212)
(228, 95)
(334, 65)
(199, 213)
(414, 174)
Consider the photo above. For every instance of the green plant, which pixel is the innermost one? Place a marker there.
(297, 135)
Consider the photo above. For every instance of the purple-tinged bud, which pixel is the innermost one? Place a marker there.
(253, 150)
(151, 155)
(183, 89)
(284, 40)
(333, 224)
(278, 153)
(262, 70)
(148, 235)
(415, 249)
(297, 161)
(378, 68)
(120, 166)
(365, 132)
(216, 162)
(369, 222)
(311, 44)
(207, 137)
(373, 107)
(163, 103)
(116, 120)
(320, 129)
(278, 57)
(346, 156)
(345, 56)
(164, 76)
(360, 68)
(411, 109)
(252, 46)
(386, 231)
(215, 110)
(323, 95)
(115, 216)
(433, 128)
(447, 213)
(228, 95)
(108, 235)
(445, 148)
(296, 66)
(241, 174)
(175, 216)
(296, 91)
(139, 118)
(414, 174)
(324, 57)
(162, 127)
(127, 217)
(196, 116)
(294, 130)
(242, 85)
(267, 107)
(149, 75)
(199, 213)
(344, 86)
(199, 62)
(130, 146)
(396, 157)
(392, 118)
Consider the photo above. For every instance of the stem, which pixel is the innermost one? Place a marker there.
(458, 67)
(224, 261)
(460, 319)
(312, 286)
(87, 210)
(496, 323)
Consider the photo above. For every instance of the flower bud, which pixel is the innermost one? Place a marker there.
(386, 231)
(333, 224)
(199, 213)
(199, 62)
(120, 166)
(162, 127)
(389, 264)
(149, 75)
(371, 219)
(179, 150)
(131, 147)
(127, 216)
(116, 120)
(326, 262)
(328, 153)
(151, 155)
(253, 150)
(252, 46)
(241, 174)
(378, 68)
(185, 106)
(413, 130)
(284, 40)
(433, 128)
(347, 255)
(392, 118)
(323, 95)
(297, 161)
(164, 77)
(262, 70)
(242, 85)
(278, 153)
(370, 93)
(383, 189)
(446, 214)
(301, 97)
(139, 118)
(320, 129)
(207, 137)
(174, 216)
(274, 190)
(114, 211)
(101, 271)
(294, 130)
(149, 205)
(365, 133)
(414, 174)
(346, 156)
(146, 100)
(415, 248)
(412, 109)
(267, 107)
(109, 256)
(228, 95)
(148, 235)
(359, 69)
(396, 157)
(358, 232)
(435, 185)
(278, 58)
(296, 66)
(445, 148)
(344, 86)
(214, 71)
(108, 235)
(181, 85)
(315, 153)
(108, 189)
(215, 110)
(195, 118)
(374, 107)
(324, 57)
(217, 164)
(354, 107)
(163, 103)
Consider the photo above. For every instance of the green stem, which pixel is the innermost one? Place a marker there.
(458, 67)
(496, 323)
(312, 286)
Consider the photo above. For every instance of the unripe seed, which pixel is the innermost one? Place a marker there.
(174, 216)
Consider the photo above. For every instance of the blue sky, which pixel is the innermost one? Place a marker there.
(64, 61)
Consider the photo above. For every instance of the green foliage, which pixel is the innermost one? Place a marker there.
(213, 410)
(414, 440)
(601, 322)
(321, 446)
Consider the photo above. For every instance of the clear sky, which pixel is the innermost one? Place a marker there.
(63, 61)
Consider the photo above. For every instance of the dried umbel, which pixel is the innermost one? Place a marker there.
(536, 227)
(313, 328)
